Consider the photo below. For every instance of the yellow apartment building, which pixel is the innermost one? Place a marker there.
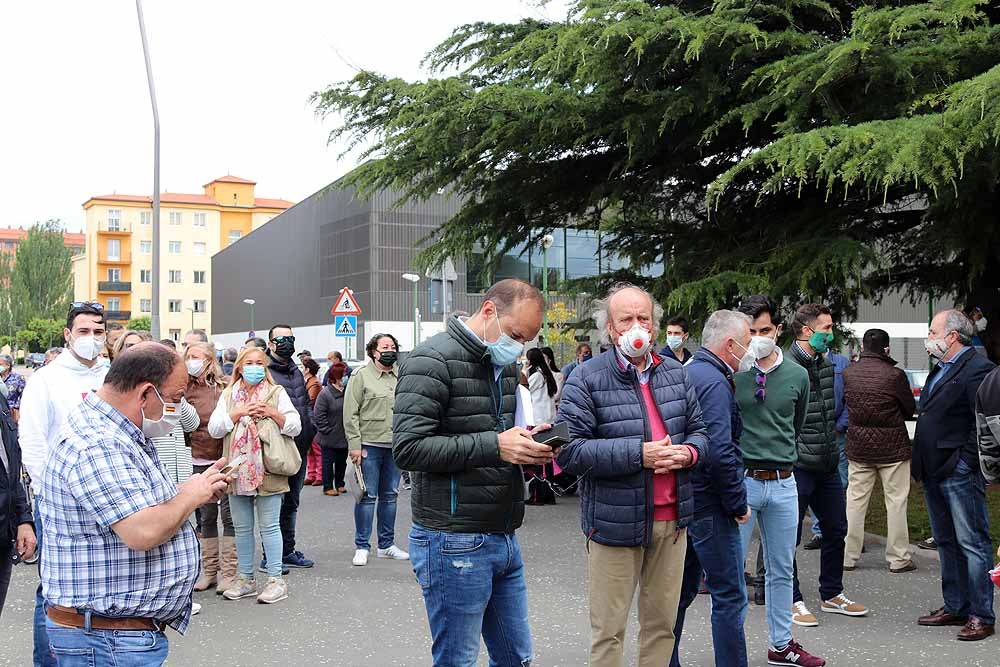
(116, 268)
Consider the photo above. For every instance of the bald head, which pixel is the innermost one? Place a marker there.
(146, 362)
(625, 305)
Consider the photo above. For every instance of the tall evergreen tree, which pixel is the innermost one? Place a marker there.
(816, 150)
(41, 279)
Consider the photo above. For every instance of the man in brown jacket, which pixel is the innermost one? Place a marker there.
(879, 400)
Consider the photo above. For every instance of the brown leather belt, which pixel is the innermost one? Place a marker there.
(74, 619)
(768, 475)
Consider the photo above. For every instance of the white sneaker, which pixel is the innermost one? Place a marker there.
(195, 608)
(360, 557)
(802, 616)
(276, 590)
(393, 552)
(243, 587)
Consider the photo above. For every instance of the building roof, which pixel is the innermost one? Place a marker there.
(69, 238)
(183, 198)
(272, 203)
(230, 179)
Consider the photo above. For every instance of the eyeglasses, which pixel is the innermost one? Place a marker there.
(76, 305)
(761, 392)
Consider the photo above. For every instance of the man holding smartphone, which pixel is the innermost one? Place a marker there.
(17, 534)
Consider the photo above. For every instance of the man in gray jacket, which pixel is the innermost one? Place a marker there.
(453, 429)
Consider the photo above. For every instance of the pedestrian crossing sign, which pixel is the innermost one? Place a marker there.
(345, 326)
(346, 304)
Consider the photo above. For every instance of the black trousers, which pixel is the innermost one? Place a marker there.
(334, 467)
(6, 565)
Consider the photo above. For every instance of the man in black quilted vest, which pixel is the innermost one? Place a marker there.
(816, 472)
(453, 429)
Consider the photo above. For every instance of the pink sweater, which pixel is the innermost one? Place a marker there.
(665, 484)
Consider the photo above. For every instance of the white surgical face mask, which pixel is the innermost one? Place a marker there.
(981, 324)
(88, 347)
(635, 342)
(195, 367)
(675, 342)
(748, 358)
(165, 424)
(936, 347)
(762, 346)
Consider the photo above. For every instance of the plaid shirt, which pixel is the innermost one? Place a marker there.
(104, 470)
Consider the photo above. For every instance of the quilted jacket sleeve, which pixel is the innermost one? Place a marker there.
(422, 396)
(602, 457)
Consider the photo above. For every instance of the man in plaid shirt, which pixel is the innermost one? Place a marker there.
(120, 557)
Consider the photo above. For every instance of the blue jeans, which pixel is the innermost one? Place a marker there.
(42, 653)
(823, 493)
(957, 509)
(714, 546)
(842, 471)
(78, 647)
(473, 585)
(268, 511)
(382, 481)
(775, 506)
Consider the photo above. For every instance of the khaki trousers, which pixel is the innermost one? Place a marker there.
(896, 488)
(614, 572)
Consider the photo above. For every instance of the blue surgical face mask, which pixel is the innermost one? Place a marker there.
(505, 350)
(253, 374)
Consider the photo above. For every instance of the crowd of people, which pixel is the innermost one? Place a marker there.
(146, 475)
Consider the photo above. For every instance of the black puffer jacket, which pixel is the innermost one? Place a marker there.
(818, 451)
(449, 409)
(288, 375)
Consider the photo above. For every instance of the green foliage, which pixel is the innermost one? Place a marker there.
(814, 150)
(41, 279)
(39, 334)
(139, 323)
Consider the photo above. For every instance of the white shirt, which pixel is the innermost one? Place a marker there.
(220, 423)
(543, 406)
(51, 393)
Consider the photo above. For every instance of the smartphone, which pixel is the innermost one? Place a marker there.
(231, 467)
(555, 437)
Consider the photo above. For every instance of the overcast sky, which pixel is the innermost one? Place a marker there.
(232, 82)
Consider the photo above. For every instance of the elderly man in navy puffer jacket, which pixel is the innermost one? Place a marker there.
(635, 428)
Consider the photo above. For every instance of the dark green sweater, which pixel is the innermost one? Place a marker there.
(771, 426)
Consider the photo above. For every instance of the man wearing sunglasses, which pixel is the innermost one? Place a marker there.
(281, 357)
(52, 392)
(773, 397)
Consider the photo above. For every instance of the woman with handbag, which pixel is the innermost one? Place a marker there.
(257, 422)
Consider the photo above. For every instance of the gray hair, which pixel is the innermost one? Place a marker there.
(9, 359)
(723, 325)
(957, 321)
(602, 312)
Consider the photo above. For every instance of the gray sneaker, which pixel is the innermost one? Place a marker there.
(243, 587)
(275, 590)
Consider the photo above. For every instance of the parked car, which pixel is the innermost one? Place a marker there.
(35, 360)
(917, 378)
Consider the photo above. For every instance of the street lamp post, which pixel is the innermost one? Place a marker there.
(154, 320)
(414, 278)
(251, 302)
(547, 242)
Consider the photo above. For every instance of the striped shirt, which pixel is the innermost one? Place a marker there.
(102, 471)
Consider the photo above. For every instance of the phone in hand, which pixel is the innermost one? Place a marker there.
(555, 437)
(231, 467)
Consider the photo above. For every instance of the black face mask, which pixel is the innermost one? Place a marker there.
(387, 358)
(284, 349)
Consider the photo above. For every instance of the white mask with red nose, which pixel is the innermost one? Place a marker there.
(635, 342)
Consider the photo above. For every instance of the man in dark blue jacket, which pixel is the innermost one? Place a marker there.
(635, 426)
(280, 353)
(720, 496)
(946, 460)
(17, 532)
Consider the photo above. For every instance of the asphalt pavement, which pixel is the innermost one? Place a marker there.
(337, 614)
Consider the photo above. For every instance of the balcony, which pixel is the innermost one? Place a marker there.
(114, 286)
(113, 228)
(123, 256)
(117, 315)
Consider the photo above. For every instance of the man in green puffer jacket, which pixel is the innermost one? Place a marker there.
(816, 474)
(453, 429)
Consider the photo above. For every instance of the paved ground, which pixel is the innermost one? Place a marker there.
(343, 615)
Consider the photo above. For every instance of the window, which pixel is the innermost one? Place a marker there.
(175, 218)
(555, 258)
(114, 219)
(199, 219)
(114, 275)
(174, 306)
(235, 235)
(114, 303)
(175, 335)
(8, 244)
(175, 276)
(145, 305)
(199, 277)
(200, 306)
(514, 264)
(581, 254)
(145, 276)
(477, 279)
(174, 247)
(436, 296)
(114, 250)
(200, 248)
(146, 247)
(145, 217)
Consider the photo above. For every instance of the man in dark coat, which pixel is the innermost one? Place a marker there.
(17, 532)
(946, 461)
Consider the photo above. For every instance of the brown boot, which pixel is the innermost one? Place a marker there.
(209, 564)
(229, 564)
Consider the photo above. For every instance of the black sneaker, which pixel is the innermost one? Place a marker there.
(263, 567)
(793, 655)
(815, 543)
(928, 544)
